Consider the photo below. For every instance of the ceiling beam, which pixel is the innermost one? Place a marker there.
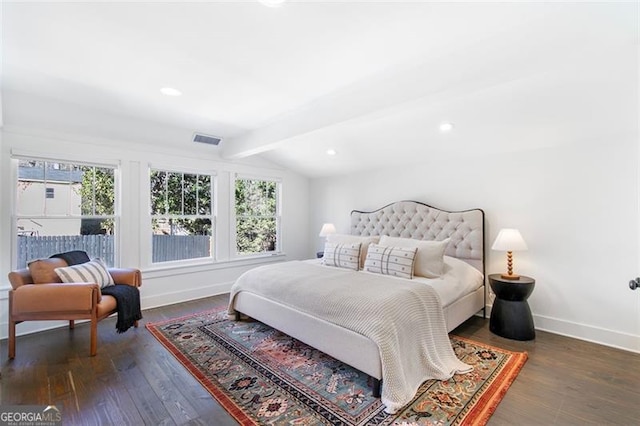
(456, 74)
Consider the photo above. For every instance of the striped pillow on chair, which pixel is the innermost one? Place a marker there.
(94, 271)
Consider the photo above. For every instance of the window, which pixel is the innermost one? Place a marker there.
(257, 216)
(81, 216)
(182, 218)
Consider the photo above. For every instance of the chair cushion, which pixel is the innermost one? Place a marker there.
(107, 305)
(43, 270)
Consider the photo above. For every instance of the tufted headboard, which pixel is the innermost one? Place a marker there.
(412, 219)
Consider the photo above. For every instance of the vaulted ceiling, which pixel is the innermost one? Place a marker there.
(371, 80)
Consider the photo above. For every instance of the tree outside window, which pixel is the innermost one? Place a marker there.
(257, 216)
(181, 215)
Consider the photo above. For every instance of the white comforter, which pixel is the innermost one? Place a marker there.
(403, 318)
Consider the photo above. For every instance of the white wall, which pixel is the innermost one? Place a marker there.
(160, 285)
(576, 205)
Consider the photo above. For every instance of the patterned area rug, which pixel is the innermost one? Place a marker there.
(262, 376)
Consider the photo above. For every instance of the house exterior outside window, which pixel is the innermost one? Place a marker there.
(62, 206)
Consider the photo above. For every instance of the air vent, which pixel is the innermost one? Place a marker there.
(208, 139)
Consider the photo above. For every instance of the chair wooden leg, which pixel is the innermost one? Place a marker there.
(12, 329)
(94, 337)
(72, 324)
(12, 339)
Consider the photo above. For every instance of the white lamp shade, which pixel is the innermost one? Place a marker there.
(327, 229)
(509, 240)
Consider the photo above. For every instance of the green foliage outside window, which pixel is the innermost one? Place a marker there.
(97, 198)
(180, 194)
(175, 194)
(256, 216)
(64, 206)
(181, 215)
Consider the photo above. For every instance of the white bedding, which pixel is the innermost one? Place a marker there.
(411, 351)
(458, 280)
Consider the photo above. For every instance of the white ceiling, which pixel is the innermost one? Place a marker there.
(373, 80)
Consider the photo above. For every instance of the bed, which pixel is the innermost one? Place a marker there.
(404, 219)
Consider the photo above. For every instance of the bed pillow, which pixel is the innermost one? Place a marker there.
(94, 271)
(342, 255)
(351, 239)
(429, 258)
(395, 261)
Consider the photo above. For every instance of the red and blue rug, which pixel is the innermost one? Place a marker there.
(262, 376)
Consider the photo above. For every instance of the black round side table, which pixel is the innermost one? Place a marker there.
(510, 314)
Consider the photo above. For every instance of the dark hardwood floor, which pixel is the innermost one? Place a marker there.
(134, 380)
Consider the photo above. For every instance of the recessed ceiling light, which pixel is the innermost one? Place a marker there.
(446, 127)
(272, 3)
(170, 91)
(331, 152)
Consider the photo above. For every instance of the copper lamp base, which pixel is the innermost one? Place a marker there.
(510, 275)
(513, 277)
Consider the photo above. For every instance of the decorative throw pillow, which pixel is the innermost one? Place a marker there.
(43, 270)
(94, 271)
(430, 257)
(342, 255)
(352, 239)
(395, 261)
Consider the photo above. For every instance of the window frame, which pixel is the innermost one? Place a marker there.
(15, 160)
(148, 229)
(233, 240)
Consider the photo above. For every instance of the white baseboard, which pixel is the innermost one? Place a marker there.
(179, 296)
(602, 336)
(29, 327)
(148, 302)
(589, 333)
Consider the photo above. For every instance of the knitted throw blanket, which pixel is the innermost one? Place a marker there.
(128, 305)
(403, 318)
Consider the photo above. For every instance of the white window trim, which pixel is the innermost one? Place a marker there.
(146, 230)
(17, 156)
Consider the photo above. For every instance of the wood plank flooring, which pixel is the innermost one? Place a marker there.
(134, 381)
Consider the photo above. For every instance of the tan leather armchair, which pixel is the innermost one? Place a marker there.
(47, 298)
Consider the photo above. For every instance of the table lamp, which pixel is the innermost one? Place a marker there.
(327, 229)
(509, 240)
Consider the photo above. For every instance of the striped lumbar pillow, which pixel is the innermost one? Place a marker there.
(94, 271)
(395, 261)
(342, 255)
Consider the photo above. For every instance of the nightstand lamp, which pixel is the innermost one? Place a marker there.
(327, 229)
(509, 240)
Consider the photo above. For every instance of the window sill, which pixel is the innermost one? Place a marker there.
(176, 268)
